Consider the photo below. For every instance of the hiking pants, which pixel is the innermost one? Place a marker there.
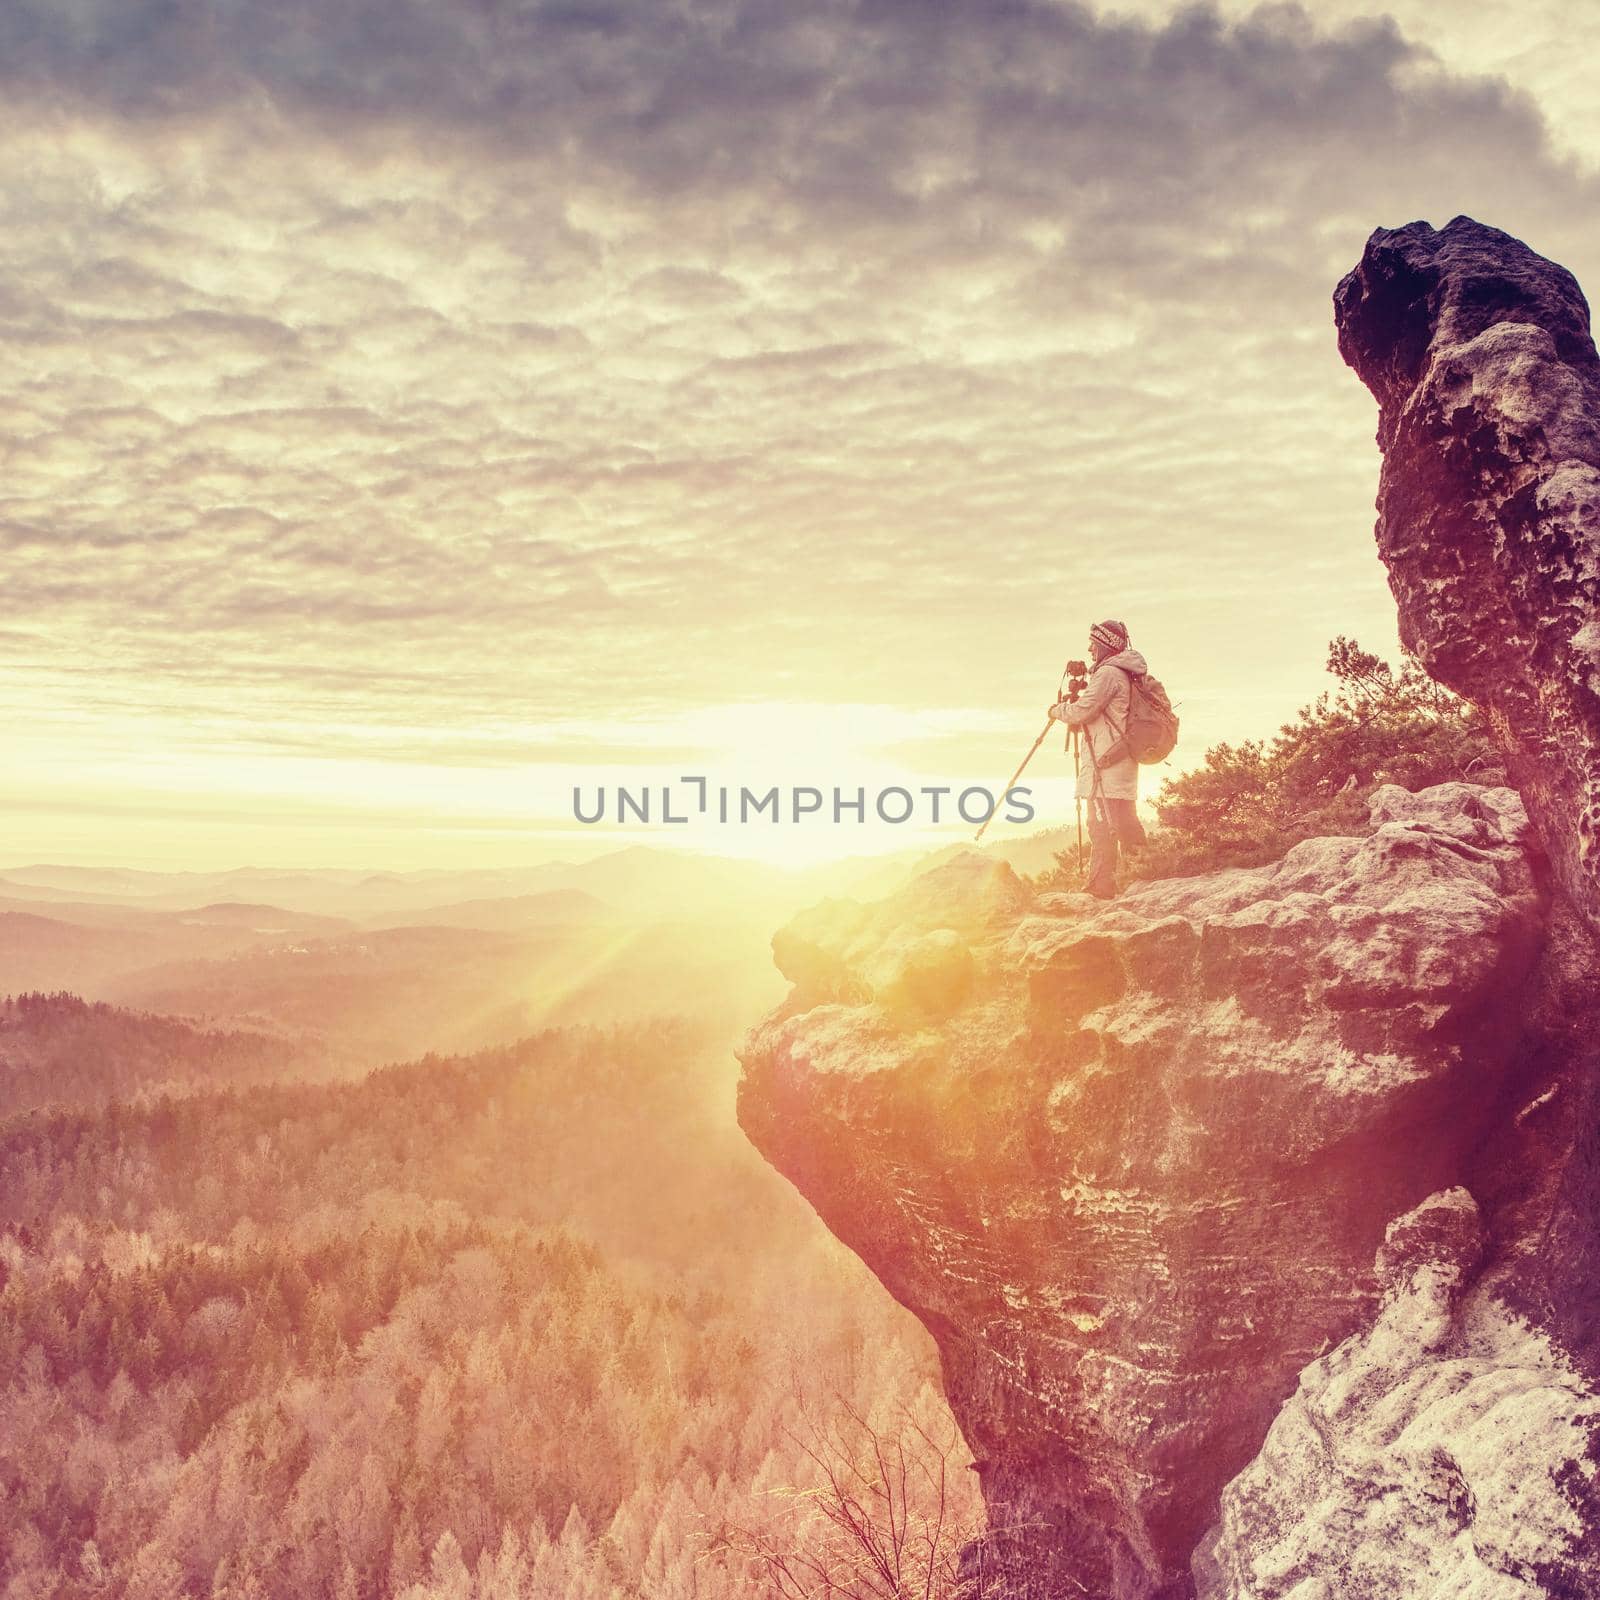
(1111, 822)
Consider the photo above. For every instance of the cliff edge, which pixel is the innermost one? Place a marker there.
(1254, 1213)
(1132, 1164)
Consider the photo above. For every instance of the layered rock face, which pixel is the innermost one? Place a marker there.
(1480, 356)
(1443, 1451)
(1255, 1214)
(1130, 1164)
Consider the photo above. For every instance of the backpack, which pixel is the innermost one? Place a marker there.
(1152, 728)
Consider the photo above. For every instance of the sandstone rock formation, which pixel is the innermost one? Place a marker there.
(1134, 1177)
(1255, 1214)
(1480, 356)
(1442, 1451)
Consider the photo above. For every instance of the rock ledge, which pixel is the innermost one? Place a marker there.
(1131, 1164)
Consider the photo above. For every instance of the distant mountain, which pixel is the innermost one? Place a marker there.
(1028, 856)
(641, 880)
(261, 919)
(253, 943)
(652, 881)
(512, 914)
(386, 994)
(21, 887)
(85, 946)
(39, 952)
(83, 913)
(60, 1050)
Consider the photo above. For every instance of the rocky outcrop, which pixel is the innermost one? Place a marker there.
(1442, 1451)
(1480, 356)
(1255, 1214)
(1132, 1166)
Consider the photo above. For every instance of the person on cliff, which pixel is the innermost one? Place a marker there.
(1100, 714)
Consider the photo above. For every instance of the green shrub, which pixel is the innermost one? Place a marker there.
(1247, 803)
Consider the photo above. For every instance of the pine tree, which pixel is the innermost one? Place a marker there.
(405, 1552)
(448, 1578)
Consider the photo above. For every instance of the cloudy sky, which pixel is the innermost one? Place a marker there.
(413, 407)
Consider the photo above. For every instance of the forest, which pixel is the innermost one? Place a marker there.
(519, 1323)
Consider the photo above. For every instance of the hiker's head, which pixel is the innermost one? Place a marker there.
(1107, 639)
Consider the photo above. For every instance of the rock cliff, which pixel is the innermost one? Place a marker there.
(1479, 354)
(1443, 1451)
(1130, 1164)
(1254, 1214)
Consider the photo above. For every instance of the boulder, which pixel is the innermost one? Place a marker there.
(1255, 1214)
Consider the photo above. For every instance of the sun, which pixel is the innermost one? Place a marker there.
(715, 768)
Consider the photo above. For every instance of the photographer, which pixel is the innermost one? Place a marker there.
(1100, 714)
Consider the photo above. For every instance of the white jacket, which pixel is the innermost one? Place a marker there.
(1101, 712)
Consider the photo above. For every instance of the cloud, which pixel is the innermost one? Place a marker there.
(454, 365)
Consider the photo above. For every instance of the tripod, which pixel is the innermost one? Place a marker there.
(1072, 743)
(1077, 799)
(1074, 680)
(1012, 780)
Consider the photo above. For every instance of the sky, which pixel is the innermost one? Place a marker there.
(414, 410)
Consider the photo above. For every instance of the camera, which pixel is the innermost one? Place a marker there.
(1077, 678)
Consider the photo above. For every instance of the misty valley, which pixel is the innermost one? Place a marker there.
(357, 1248)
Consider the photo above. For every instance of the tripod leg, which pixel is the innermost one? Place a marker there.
(1077, 799)
(1012, 779)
